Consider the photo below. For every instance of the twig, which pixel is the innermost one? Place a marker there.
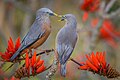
(46, 51)
(75, 62)
(110, 4)
(102, 6)
(112, 15)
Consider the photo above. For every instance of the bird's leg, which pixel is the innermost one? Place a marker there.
(26, 51)
(42, 50)
(30, 51)
(39, 49)
(22, 54)
(48, 51)
(45, 51)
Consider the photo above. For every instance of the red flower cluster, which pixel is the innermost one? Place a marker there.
(108, 25)
(85, 16)
(90, 5)
(107, 31)
(35, 64)
(97, 64)
(11, 49)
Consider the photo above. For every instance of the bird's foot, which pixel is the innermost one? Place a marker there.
(41, 50)
(48, 51)
(31, 51)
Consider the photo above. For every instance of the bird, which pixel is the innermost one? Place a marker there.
(38, 32)
(66, 40)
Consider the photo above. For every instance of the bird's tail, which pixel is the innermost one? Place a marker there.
(63, 69)
(15, 55)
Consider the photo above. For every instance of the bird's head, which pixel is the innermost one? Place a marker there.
(67, 17)
(70, 20)
(46, 11)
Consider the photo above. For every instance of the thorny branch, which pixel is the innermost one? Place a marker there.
(53, 68)
(112, 15)
(110, 4)
(104, 10)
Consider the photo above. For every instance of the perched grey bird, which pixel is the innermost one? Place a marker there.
(38, 32)
(66, 40)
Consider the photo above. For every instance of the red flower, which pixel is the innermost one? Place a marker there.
(32, 67)
(96, 63)
(11, 49)
(90, 5)
(107, 31)
(94, 22)
(85, 16)
(35, 64)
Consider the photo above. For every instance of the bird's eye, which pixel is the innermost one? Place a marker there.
(47, 12)
(65, 17)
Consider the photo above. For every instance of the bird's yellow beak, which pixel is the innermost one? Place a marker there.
(61, 18)
(55, 14)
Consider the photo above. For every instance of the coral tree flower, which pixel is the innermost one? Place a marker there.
(11, 49)
(85, 16)
(33, 66)
(37, 65)
(90, 5)
(96, 63)
(107, 31)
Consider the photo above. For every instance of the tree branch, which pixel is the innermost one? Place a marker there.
(110, 4)
(112, 15)
(53, 68)
(45, 51)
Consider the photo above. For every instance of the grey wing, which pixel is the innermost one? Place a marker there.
(65, 44)
(33, 35)
(64, 52)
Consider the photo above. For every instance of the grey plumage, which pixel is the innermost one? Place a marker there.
(39, 29)
(66, 40)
